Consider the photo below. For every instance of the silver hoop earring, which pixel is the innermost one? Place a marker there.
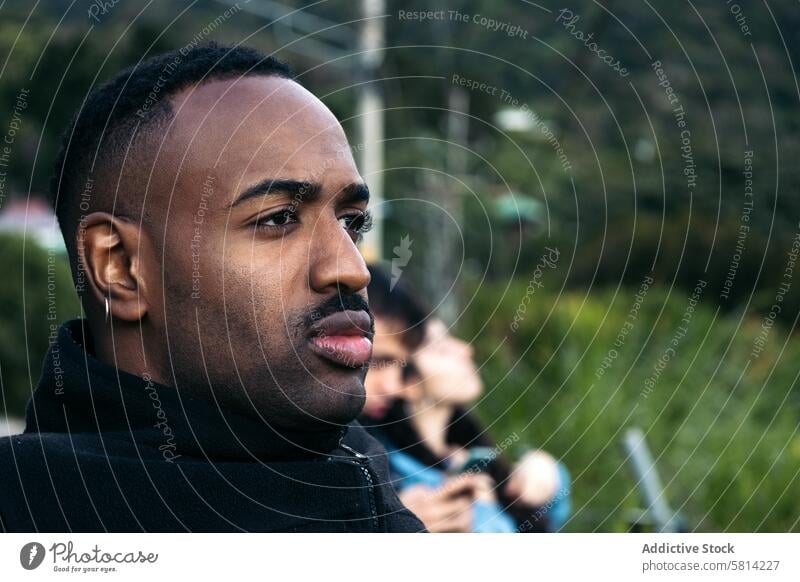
(108, 311)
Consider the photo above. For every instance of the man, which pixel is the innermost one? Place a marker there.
(211, 209)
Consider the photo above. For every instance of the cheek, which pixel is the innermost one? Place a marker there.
(263, 292)
(373, 382)
(270, 271)
(246, 276)
(193, 262)
(383, 383)
(396, 381)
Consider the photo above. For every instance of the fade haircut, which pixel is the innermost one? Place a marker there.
(124, 112)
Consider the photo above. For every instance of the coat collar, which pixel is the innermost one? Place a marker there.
(77, 393)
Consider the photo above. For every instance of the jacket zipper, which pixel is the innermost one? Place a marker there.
(361, 463)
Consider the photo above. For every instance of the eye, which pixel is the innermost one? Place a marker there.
(277, 220)
(358, 223)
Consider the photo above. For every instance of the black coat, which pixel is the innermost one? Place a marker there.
(104, 450)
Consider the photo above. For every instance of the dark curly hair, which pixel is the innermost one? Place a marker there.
(397, 301)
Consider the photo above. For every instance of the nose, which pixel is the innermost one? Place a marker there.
(393, 381)
(336, 264)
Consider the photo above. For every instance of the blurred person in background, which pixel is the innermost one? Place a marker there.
(401, 329)
(446, 468)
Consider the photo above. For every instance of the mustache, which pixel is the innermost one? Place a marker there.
(335, 304)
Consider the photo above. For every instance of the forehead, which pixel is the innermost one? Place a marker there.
(246, 129)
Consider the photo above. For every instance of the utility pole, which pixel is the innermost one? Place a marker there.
(450, 196)
(370, 118)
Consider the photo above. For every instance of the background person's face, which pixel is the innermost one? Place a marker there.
(384, 382)
(241, 282)
(447, 371)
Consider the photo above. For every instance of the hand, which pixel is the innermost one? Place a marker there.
(483, 488)
(535, 479)
(447, 508)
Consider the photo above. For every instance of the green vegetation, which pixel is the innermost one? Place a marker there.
(722, 425)
(36, 294)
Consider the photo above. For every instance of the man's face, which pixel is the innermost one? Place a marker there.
(385, 381)
(263, 302)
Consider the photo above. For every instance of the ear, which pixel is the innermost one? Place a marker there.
(110, 253)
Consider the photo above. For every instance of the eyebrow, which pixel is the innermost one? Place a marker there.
(354, 193)
(296, 189)
(300, 191)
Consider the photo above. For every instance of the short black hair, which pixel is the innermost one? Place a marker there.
(393, 298)
(133, 103)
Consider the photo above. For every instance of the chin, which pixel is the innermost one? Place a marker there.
(338, 404)
(346, 405)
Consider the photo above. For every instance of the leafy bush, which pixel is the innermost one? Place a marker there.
(721, 424)
(36, 294)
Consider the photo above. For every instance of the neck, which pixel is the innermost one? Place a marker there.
(121, 346)
(431, 422)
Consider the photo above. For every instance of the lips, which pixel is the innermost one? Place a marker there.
(343, 338)
(375, 411)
